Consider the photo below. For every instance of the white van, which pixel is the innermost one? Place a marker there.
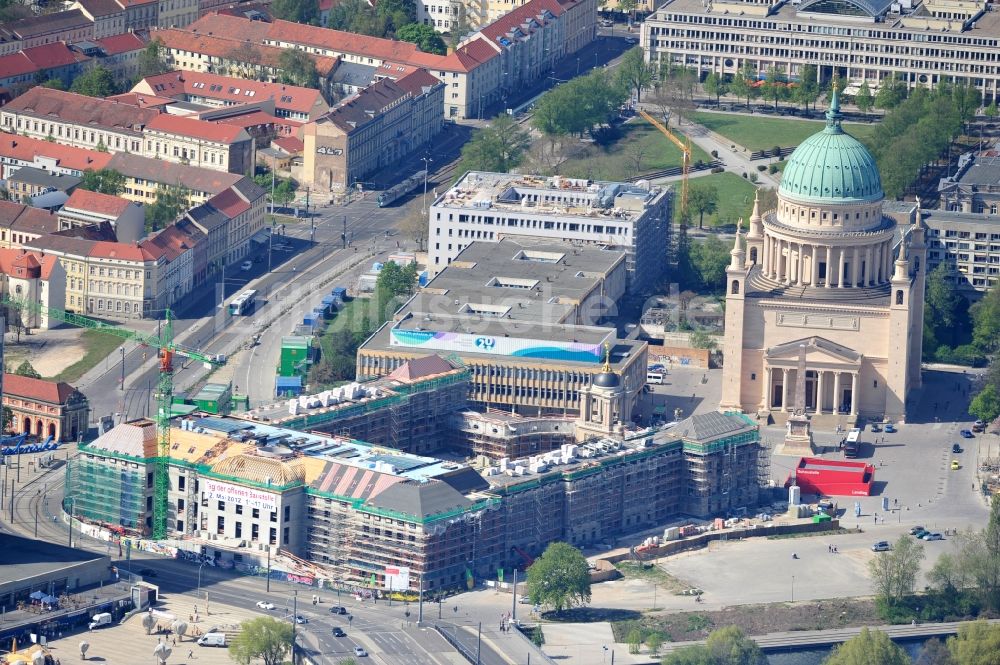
(98, 620)
(212, 640)
(655, 378)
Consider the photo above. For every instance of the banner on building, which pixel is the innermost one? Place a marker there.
(241, 496)
(397, 578)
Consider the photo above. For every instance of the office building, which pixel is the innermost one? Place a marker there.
(967, 244)
(487, 207)
(923, 43)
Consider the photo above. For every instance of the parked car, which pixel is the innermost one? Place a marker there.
(890, 428)
(876, 427)
(339, 632)
(966, 434)
(920, 534)
(933, 536)
(881, 546)
(955, 466)
(299, 619)
(358, 651)
(265, 605)
(147, 572)
(246, 266)
(979, 426)
(955, 448)
(916, 530)
(338, 610)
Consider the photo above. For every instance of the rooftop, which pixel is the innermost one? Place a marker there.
(27, 219)
(34, 26)
(945, 218)
(558, 196)
(198, 129)
(95, 202)
(41, 178)
(194, 178)
(24, 558)
(40, 102)
(27, 149)
(52, 392)
(214, 86)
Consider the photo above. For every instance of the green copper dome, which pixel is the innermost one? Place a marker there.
(832, 166)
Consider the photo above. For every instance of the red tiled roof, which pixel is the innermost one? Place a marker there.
(48, 262)
(37, 389)
(232, 27)
(56, 54)
(416, 81)
(80, 109)
(171, 242)
(141, 100)
(16, 64)
(123, 43)
(290, 144)
(11, 259)
(121, 250)
(199, 129)
(219, 46)
(101, 7)
(518, 16)
(215, 86)
(23, 148)
(28, 219)
(229, 203)
(102, 204)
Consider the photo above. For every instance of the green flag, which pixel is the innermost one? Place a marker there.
(500, 574)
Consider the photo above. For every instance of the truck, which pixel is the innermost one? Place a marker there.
(98, 620)
(212, 640)
(400, 190)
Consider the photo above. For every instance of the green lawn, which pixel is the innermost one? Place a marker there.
(98, 345)
(735, 198)
(617, 161)
(764, 132)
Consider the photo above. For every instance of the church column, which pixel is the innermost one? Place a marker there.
(786, 275)
(829, 265)
(784, 389)
(802, 264)
(887, 260)
(855, 273)
(837, 393)
(869, 264)
(815, 266)
(819, 391)
(765, 255)
(877, 263)
(854, 393)
(840, 263)
(768, 387)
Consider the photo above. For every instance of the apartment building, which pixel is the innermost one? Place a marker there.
(294, 102)
(488, 207)
(243, 206)
(106, 125)
(141, 14)
(27, 182)
(176, 13)
(445, 15)
(145, 178)
(67, 26)
(922, 43)
(968, 244)
(108, 16)
(35, 278)
(120, 54)
(17, 151)
(975, 186)
(381, 125)
(20, 224)
(86, 208)
(27, 67)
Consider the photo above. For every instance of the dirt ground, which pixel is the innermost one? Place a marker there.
(757, 619)
(49, 353)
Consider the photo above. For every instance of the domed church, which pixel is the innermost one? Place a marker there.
(825, 276)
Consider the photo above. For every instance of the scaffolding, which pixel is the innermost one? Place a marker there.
(110, 492)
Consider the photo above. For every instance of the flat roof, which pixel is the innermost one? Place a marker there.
(24, 558)
(525, 279)
(956, 217)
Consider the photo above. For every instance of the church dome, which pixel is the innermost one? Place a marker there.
(831, 167)
(606, 380)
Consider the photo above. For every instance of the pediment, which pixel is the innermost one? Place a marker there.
(818, 350)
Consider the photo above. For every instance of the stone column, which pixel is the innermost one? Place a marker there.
(854, 393)
(787, 275)
(840, 263)
(784, 390)
(768, 387)
(819, 391)
(869, 257)
(837, 394)
(765, 255)
(802, 264)
(815, 266)
(855, 273)
(887, 260)
(829, 266)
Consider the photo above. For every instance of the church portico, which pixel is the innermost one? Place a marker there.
(832, 375)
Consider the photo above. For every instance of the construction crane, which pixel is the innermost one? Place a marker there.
(166, 350)
(685, 149)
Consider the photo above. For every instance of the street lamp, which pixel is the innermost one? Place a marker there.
(199, 576)
(423, 201)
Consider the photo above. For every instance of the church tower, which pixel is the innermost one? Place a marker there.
(602, 411)
(733, 348)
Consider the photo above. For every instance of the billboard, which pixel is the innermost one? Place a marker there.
(241, 496)
(397, 578)
(517, 347)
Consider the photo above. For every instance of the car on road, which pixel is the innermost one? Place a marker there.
(605, 23)
(955, 448)
(915, 530)
(631, 41)
(524, 600)
(933, 536)
(339, 632)
(358, 651)
(299, 619)
(246, 266)
(881, 546)
(147, 572)
(338, 610)
(265, 605)
(966, 434)
(979, 426)
(955, 466)
(920, 534)
(890, 428)
(876, 427)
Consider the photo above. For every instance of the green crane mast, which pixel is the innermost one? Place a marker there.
(166, 350)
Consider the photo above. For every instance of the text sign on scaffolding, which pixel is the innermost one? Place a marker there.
(397, 578)
(241, 496)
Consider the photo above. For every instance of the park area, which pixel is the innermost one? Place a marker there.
(639, 145)
(735, 199)
(755, 132)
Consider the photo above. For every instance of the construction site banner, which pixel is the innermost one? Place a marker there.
(397, 578)
(241, 496)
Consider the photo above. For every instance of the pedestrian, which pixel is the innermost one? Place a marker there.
(190, 653)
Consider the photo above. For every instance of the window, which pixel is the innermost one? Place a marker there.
(288, 514)
(274, 516)
(220, 525)
(255, 513)
(222, 505)
(239, 509)
(181, 482)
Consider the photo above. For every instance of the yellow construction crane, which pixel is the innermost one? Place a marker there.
(685, 149)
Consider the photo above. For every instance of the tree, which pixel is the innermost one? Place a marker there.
(703, 199)
(25, 369)
(696, 655)
(775, 85)
(891, 93)
(414, 226)
(103, 181)
(548, 156)
(284, 192)
(654, 641)
(967, 99)
(743, 82)
(731, 646)
(424, 36)
(297, 11)
(986, 404)
(53, 83)
(986, 322)
(634, 73)
(8, 418)
(498, 147)
(460, 26)
(634, 640)
(715, 86)
(96, 82)
(991, 110)
(264, 638)
(700, 339)
(709, 260)
(945, 311)
(12, 10)
(170, 203)
(298, 68)
(559, 578)
(947, 575)
(864, 99)
(635, 153)
(245, 61)
(807, 91)
(151, 60)
(871, 647)
(934, 652)
(894, 573)
(977, 643)
(393, 286)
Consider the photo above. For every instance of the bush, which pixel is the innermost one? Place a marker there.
(753, 178)
(761, 167)
(744, 174)
(776, 151)
(715, 153)
(717, 169)
(772, 169)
